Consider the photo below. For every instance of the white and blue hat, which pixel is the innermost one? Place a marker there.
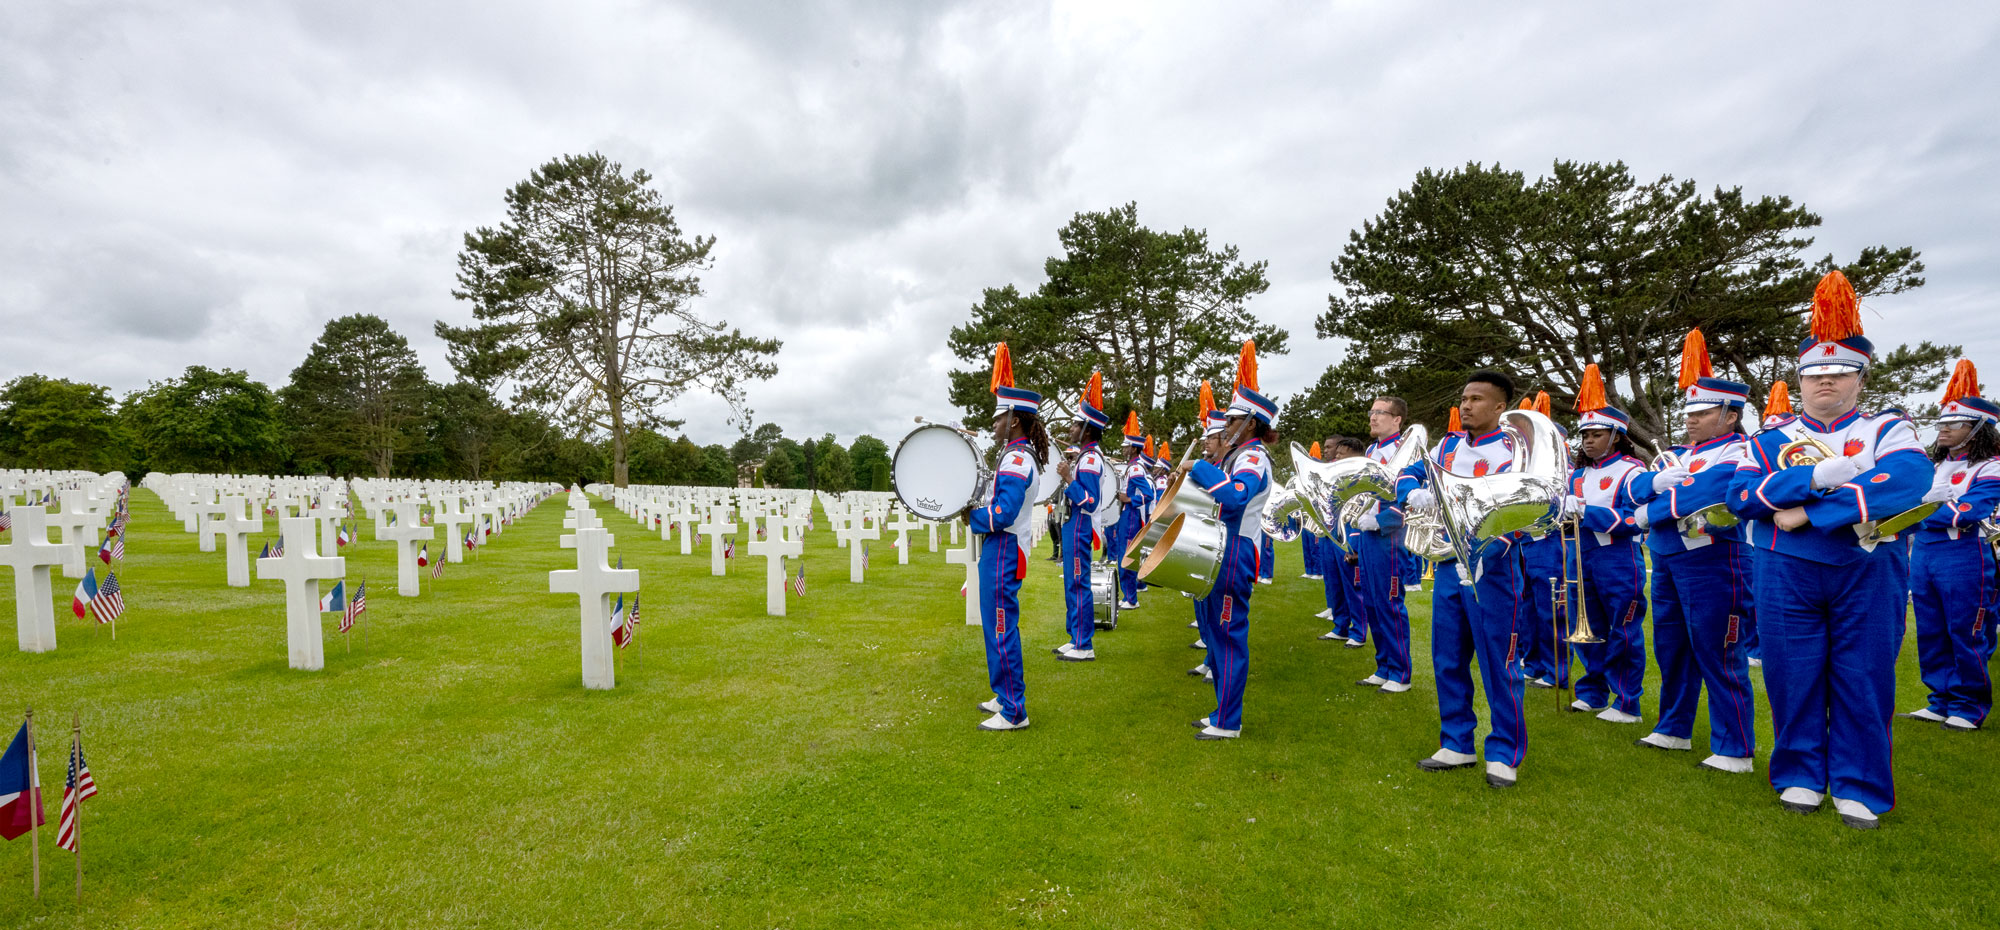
(1961, 398)
(1091, 406)
(1707, 393)
(1605, 418)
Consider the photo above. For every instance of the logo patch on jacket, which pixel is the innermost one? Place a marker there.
(1958, 478)
(1697, 464)
(1853, 447)
(1479, 468)
(1604, 483)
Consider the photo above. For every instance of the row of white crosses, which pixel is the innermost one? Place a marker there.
(87, 500)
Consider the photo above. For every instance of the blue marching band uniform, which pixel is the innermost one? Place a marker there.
(1744, 538)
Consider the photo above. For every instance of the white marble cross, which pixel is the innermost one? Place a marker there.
(328, 518)
(855, 534)
(594, 581)
(454, 519)
(408, 532)
(968, 556)
(31, 555)
(775, 548)
(933, 531)
(243, 519)
(302, 571)
(901, 527)
(715, 527)
(208, 522)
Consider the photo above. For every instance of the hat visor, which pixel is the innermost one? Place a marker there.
(1830, 368)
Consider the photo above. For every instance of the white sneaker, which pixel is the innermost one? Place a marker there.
(991, 707)
(1331, 635)
(1372, 681)
(1063, 649)
(1663, 741)
(1579, 705)
(1614, 715)
(1735, 765)
(997, 722)
(1959, 723)
(1756, 663)
(1395, 687)
(1326, 614)
(1501, 775)
(1214, 733)
(1855, 814)
(1353, 643)
(1259, 581)
(1078, 655)
(1800, 800)
(1925, 714)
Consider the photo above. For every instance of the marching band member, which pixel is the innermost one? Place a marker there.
(1951, 570)
(1612, 567)
(1239, 486)
(1005, 522)
(1214, 424)
(1089, 500)
(1378, 547)
(1701, 580)
(1545, 661)
(1132, 517)
(1311, 544)
(1463, 625)
(1341, 574)
(1830, 610)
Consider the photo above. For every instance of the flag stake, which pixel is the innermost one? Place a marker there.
(76, 825)
(35, 800)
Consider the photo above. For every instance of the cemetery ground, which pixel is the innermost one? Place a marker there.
(822, 769)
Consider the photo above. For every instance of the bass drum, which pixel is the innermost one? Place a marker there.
(1104, 596)
(1052, 484)
(938, 472)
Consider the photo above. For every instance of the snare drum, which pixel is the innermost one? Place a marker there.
(938, 472)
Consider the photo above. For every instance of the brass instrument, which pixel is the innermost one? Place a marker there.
(1524, 498)
(1807, 451)
(1872, 533)
(1572, 540)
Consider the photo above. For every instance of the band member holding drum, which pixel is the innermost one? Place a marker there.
(1239, 482)
(1004, 522)
(1486, 626)
(1089, 499)
(1613, 570)
(1830, 609)
(1213, 447)
(1378, 542)
(1701, 573)
(1951, 569)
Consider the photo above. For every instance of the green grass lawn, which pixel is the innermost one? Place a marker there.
(822, 769)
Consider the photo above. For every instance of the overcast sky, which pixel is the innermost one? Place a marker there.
(208, 183)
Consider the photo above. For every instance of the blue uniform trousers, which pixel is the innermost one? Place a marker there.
(1077, 551)
(1000, 621)
(1614, 594)
(1486, 628)
(1229, 632)
(1343, 595)
(1701, 598)
(1830, 636)
(1267, 561)
(1381, 594)
(1547, 652)
(1951, 585)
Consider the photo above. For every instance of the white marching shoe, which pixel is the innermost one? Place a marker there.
(1330, 635)
(1395, 687)
(1735, 765)
(991, 707)
(1959, 723)
(1212, 732)
(1925, 714)
(1372, 681)
(1445, 760)
(1501, 775)
(1614, 715)
(1326, 614)
(1063, 649)
(1581, 705)
(1353, 643)
(1079, 655)
(1201, 669)
(1800, 800)
(1259, 581)
(998, 722)
(1202, 723)
(1856, 814)
(1663, 741)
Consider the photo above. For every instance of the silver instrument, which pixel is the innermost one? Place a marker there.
(1181, 496)
(1104, 595)
(1188, 557)
(1526, 498)
(938, 471)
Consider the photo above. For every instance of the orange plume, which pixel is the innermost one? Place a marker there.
(1246, 366)
(1166, 452)
(1131, 422)
(1694, 359)
(1094, 394)
(1315, 449)
(1542, 403)
(1003, 369)
(1964, 382)
(1527, 403)
(1780, 402)
(1453, 426)
(1591, 395)
(1836, 312)
(1206, 401)
(1149, 445)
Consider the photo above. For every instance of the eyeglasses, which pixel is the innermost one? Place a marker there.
(1381, 413)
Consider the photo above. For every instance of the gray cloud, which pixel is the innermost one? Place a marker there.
(208, 184)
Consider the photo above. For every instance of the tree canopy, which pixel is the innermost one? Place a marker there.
(358, 396)
(54, 423)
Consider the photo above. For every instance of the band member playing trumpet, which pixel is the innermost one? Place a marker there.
(1612, 591)
(1239, 482)
(1701, 573)
(1089, 499)
(1378, 545)
(1830, 609)
(1005, 522)
(1464, 625)
(1951, 569)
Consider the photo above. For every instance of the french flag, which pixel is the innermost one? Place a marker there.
(86, 592)
(20, 789)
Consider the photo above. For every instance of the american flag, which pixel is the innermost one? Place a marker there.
(799, 581)
(864, 555)
(117, 524)
(118, 548)
(355, 606)
(78, 787)
(625, 624)
(729, 548)
(109, 604)
(437, 567)
(6, 521)
(278, 551)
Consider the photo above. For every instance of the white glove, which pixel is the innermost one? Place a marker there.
(1421, 498)
(1643, 517)
(1835, 472)
(1668, 477)
(1572, 506)
(1940, 490)
(1368, 523)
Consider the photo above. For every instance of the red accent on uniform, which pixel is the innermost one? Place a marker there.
(1878, 479)
(1853, 446)
(1479, 469)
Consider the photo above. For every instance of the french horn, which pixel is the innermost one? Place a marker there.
(1872, 533)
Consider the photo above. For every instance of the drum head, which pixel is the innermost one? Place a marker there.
(1051, 483)
(936, 472)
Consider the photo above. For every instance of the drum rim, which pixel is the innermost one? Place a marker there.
(896, 487)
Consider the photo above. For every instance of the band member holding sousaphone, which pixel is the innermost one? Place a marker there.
(1546, 655)
(1951, 569)
(1378, 541)
(1341, 572)
(1612, 591)
(1089, 498)
(1004, 522)
(1829, 600)
(1311, 544)
(1214, 445)
(1239, 480)
(1465, 623)
(1701, 572)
